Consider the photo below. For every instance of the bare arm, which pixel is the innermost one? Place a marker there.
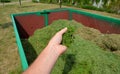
(46, 60)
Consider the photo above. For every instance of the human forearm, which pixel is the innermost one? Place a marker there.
(44, 62)
(47, 58)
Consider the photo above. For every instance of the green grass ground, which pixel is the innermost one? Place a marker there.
(9, 57)
(16, 0)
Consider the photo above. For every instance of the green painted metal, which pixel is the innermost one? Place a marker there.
(113, 20)
(45, 13)
(46, 19)
(57, 10)
(97, 16)
(20, 48)
(70, 15)
(27, 13)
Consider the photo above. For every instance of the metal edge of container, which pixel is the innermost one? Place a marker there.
(56, 10)
(20, 47)
(19, 44)
(27, 13)
(97, 16)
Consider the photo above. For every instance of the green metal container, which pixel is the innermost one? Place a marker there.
(26, 23)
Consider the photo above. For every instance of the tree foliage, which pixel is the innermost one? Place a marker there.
(20, 2)
(111, 6)
(5, 0)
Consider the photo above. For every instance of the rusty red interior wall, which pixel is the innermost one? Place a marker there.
(102, 26)
(27, 24)
(58, 15)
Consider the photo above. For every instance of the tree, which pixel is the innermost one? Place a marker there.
(20, 2)
(115, 5)
(4, 1)
(60, 2)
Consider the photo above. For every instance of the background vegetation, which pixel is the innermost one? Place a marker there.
(10, 0)
(110, 6)
(5, 0)
(9, 56)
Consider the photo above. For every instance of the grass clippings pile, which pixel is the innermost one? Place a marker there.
(82, 56)
(110, 42)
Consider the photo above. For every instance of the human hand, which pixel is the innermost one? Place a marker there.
(54, 43)
(46, 60)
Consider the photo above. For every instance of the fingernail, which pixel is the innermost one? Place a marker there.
(65, 28)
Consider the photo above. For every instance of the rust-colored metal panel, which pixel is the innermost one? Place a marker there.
(21, 31)
(102, 26)
(58, 15)
(27, 24)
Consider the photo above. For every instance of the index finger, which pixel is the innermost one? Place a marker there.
(63, 31)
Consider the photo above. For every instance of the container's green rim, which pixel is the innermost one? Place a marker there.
(20, 47)
(97, 16)
(19, 44)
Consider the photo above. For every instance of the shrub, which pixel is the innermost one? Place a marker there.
(110, 11)
(46, 1)
(89, 7)
(86, 4)
(36, 1)
(5, 0)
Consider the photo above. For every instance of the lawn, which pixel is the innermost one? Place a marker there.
(16, 0)
(9, 57)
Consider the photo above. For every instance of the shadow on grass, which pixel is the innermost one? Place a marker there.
(28, 49)
(29, 6)
(69, 62)
(30, 52)
(6, 25)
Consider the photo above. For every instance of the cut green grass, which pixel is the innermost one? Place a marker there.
(81, 57)
(9, 57)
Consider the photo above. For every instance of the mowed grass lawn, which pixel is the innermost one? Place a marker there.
(9, 57)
